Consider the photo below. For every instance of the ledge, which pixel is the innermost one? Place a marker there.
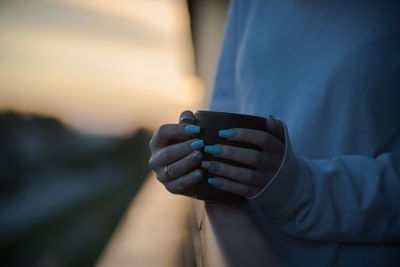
(151, 232)
(230, 238)
(161, 229)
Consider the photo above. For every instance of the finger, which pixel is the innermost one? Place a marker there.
(262, 139)
(247, 156)
(172, 153)
(234, 187)
(184, 184)
(169, 132)
(180, 167)
(275, 127)
(186, 117)
(242, 175)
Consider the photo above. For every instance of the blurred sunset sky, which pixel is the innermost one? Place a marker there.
(103, 67)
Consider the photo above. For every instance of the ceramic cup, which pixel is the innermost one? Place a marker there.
(211, 122)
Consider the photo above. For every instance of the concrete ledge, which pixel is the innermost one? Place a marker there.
(152, 231)
(230, 238)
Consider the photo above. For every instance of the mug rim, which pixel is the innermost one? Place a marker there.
(230, 114)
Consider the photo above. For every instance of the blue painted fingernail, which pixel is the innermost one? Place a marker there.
(205, 164)
(197, 175)
(212, 166)
(213, 149)
(215, 181)
(197, 144)
(192, 129)
(227, 133)
(186, 118)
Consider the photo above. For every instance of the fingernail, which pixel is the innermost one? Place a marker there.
(198, 175)
(227, 133)
(197, 144)
(186, 118)
(205, 164)
(213, 149)
(210, 165)
(196, 156)
(215, 181)
(192, 129)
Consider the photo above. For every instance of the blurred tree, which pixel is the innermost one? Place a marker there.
(63, 192)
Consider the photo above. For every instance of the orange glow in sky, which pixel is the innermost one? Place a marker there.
(104, 67)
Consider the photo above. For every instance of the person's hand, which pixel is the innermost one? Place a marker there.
(244, 181)
(175, 154)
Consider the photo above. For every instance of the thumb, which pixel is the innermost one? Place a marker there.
(275, 127)
(186, 117)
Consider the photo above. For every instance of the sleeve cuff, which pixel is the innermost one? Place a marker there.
(279, 196)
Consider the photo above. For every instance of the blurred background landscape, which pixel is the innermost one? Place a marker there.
(63, 192)
(83, 84)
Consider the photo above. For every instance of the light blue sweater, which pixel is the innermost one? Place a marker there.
(331, 71)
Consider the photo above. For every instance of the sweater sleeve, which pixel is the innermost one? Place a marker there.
(349, 198)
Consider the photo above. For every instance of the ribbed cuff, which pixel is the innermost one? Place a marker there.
(278, 197)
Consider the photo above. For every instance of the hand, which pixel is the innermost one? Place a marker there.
(244, 181)
(175, 153)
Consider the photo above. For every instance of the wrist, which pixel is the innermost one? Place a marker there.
(278, 197)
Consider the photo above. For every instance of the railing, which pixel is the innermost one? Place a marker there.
(161, 229)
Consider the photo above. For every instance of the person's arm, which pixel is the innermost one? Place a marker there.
(351, 198)
(223, 97)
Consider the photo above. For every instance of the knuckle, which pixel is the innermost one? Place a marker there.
(151, 162)
(162, 129)
(179, 188)
(165, 155)
(255, 158)
(171, 171)
(170, 188)
(151, 142)
(161, 157)
(265, 140)
(160, 178)
(174, 188)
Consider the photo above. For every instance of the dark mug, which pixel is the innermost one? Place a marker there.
(211, 122)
